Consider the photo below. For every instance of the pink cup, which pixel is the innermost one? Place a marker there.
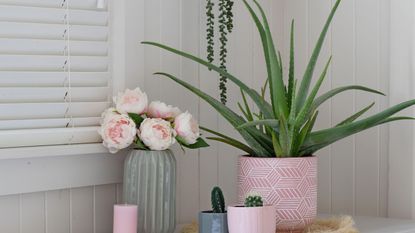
(252, 219)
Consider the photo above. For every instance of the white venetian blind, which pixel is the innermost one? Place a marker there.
(54, 71)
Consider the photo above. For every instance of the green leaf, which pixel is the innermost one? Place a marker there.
(356, 115)
(398, 118)
(277, 148)
(264, 43)
(256, 139)
(323, 98)
(305, 83)
(277, 88)
(260, 102)
(198, 144)
(304, 133)
(232, 143)
(229, 140)
(248, 110)
(322, 138)
(140, 145)
(307, 108)
(291, 70)
(267, 122)
(136, 118)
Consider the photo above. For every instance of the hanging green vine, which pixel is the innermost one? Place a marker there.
(210, 30)
(225, 27)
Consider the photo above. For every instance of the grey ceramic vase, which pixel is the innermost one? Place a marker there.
(150, 183)
(210, 222)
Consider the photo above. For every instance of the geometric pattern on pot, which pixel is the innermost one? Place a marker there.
(290, 184)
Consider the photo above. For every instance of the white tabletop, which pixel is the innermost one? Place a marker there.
(376, 225)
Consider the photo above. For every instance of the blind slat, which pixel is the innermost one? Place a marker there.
(52, 47)
(52, 79)
(52, 31)
(54, 94)
(49, 123)
(52, 63)
(44, 137)
(51, 110)
(52, 15)
(74, 4)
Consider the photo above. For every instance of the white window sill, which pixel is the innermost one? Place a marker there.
(48, 151)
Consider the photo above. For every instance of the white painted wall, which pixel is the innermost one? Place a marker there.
(353, 173)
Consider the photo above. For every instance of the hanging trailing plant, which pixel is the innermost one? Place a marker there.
(210, 31)
(225, 28)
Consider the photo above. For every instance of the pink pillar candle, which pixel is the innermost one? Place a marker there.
(125, 219)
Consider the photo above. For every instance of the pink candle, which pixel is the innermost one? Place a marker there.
(125, 219)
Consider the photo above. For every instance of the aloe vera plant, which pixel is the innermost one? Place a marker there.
(283, 127)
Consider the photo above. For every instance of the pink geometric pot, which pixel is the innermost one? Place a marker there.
(251, 219)
(290, 184)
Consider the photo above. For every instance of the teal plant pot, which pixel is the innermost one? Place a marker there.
(150, 183)
(210, 222)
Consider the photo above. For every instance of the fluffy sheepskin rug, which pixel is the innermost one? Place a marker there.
(342, 224)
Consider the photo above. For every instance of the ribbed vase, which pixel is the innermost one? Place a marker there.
(150, 183)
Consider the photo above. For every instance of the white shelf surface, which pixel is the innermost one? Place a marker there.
(374, 225)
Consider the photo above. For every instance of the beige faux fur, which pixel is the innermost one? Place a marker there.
(342, 224)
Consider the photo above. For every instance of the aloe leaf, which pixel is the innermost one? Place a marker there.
(323, 98)
(255, 138)
(322, 138)
(264, 43)
(277, 148)
(276, 80)
(264, 106)
(243, 111)
(305, 83)
(248, 110)
(305, 131)
(267, 122)
(291, 69)
(356, 115)
(233, 143)
(306, 109)
(398, 118)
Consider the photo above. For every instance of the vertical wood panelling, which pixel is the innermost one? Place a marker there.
(33, 216)
(342, 165)
(104, 200)
(9, 214)
(367, 74)
(57, 211)
(82, 210)
(188, 163)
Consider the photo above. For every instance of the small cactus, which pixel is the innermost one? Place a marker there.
(218, 201)
(253, 201)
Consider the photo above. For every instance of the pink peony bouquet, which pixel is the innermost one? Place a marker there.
(154, 126)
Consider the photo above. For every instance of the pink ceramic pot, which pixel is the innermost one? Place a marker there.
(288, 183)
(251, 219)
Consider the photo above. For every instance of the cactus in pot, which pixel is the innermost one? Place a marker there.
(253, 217)
(218, 201)
(215, 220)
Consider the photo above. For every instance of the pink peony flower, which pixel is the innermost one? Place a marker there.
(108, 114)
(187, 128)
(158, 109)
(157, 134)
(118, 132)
(131, 101)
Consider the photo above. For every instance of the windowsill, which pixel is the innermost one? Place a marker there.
(49, 151)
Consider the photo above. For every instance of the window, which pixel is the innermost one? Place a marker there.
(54, 71)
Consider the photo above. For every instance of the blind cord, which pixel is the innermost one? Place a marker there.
(67, 68)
